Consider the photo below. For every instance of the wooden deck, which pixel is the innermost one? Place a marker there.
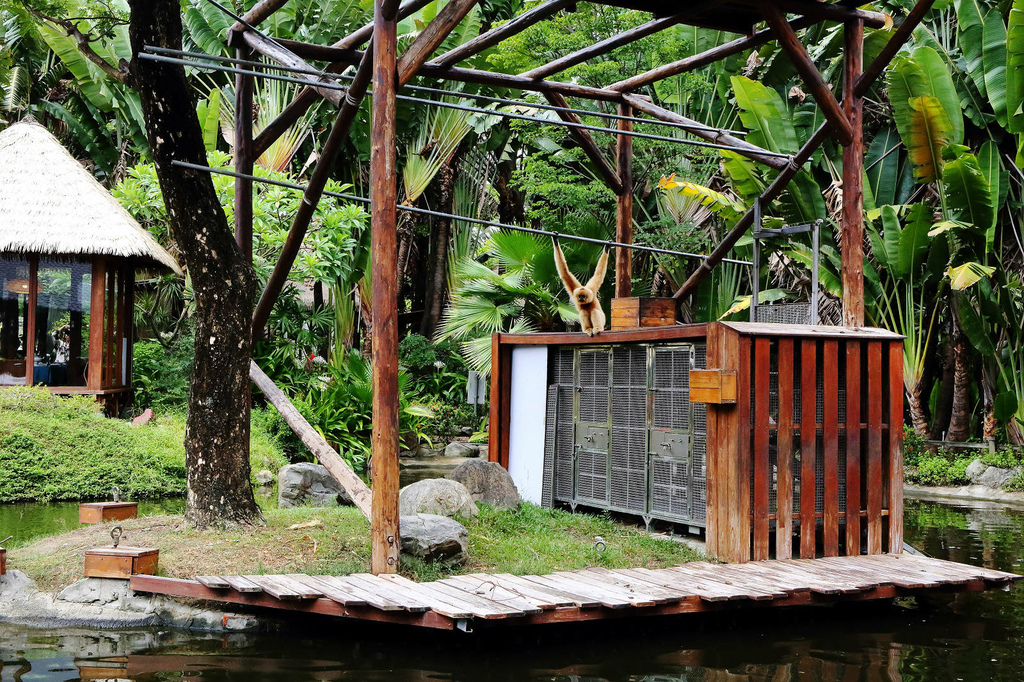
(588, 594)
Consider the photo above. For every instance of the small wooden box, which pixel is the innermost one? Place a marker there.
(713, 386)
(634, 313)
(3, 561)
(120, 562)
(101, 512)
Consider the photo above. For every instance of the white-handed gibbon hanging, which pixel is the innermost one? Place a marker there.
(585, 298)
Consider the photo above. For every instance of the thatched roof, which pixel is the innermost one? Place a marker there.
(50, 205)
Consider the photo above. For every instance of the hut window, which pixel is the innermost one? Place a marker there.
(14, 313)
(61, 336)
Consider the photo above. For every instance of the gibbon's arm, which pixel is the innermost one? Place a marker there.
(602, 269)
(570, 282)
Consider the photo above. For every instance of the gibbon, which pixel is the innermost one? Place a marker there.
(585, 298)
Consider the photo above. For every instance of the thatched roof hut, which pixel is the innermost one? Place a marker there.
(50, 205)
(68, 259)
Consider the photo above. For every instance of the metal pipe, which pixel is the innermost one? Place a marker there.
(448, 93)
(478, 110)
(452, 216)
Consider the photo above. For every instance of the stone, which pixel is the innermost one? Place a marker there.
(467, 431)
(436, 496)
(487, 482)
(308, 484)
(265, 478)
(461, 449)
(997, 478)
(434, 538)
(975, 469)
(94, 591)
(144, 418)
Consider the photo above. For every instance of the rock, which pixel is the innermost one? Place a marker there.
(434, 538)
(466, 431)
(309, 484)
(94, 591)
(460, 449)
(996, 478)
(144, 418)
(436, 496)
(975, 469)
(265, 478)
(487, 482)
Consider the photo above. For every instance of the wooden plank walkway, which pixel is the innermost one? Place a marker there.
(588, 594)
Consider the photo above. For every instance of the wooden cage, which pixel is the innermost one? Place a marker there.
(702, 425)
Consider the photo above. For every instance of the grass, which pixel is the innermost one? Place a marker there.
(56, 448)
(335, 541)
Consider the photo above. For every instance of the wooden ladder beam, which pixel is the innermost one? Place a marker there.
(431, 37)
(812, 78)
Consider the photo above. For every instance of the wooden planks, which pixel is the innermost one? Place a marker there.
(853, 444)
(762, 473)
(874, 448)
(830, 441)
(632, 312)
(895, 447)
(784, 447)
(808, 445)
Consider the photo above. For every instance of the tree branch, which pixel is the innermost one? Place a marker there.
(84, 42)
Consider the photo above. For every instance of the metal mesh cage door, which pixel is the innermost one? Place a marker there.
(593, 420)
(670, 444)
(629, 429)
(562, 423)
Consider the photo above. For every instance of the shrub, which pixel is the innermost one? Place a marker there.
(914, 448)
(54, 448)
(436, 370)
(946, 467)
(448, 419)
(160, 374)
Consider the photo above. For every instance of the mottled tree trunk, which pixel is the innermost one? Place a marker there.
(511, 202)
(944, 404)
(217, 430)
(918, 418)
(960, 417)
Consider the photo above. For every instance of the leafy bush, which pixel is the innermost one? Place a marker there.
(54, 448)
(945, 467)
(448, 419)
(340, 406)
(161, 374)
(436, 370)
(1006, 458)
(914, 448)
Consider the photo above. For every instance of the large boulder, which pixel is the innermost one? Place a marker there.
(460, 449)
(265, 479)
(436, 496)
(487, 482)
(308, 484)
(434, 538)
(975, 469)
(989, 476)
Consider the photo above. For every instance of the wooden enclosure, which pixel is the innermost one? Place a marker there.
(717, 441)
(67, 324)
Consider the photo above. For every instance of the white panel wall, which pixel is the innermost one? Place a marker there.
(527, 412)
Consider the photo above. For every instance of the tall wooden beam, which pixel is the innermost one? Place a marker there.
(812, 78)
(587, 144)
(314, 191)
(274, 51)
(624, 207)
(863, 84)
(698, 129)
(705, 58)
(826, 11)
(497, 34)
(365, 32)
(431, 37)
(385, 541)
(244, 159)
(613, 42)
(853, 180)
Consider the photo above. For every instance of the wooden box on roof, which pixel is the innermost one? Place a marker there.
(68, 258)
(804, 461)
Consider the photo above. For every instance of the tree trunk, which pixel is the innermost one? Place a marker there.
(217, 426)
(944, 404)
(917, 415)
(441, 236)
(960, 418)
(511, 202)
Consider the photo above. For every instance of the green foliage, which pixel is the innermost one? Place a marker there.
(944, 468)
(448, 419)
(339, 404)
(161, 374)
(914, 448)
(436, 370)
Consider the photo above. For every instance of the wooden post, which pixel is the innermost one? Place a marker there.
(30, 320)
(853, 181)
(243, 156)
(624, 207)
(97, 316)
(384, 258)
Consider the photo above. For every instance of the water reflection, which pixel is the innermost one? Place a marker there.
(969, 637)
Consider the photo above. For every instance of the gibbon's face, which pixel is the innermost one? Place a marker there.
(583, 296)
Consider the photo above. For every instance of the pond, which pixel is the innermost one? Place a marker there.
(970, 637)
(25, 522)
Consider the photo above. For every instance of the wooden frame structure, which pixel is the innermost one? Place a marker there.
(106, 373)
(390, 71)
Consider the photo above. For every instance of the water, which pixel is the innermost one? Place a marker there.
(970, 637)
(28, 521)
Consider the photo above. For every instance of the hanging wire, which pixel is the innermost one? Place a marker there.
(448, 93)
(460, 107)
(450, 216)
